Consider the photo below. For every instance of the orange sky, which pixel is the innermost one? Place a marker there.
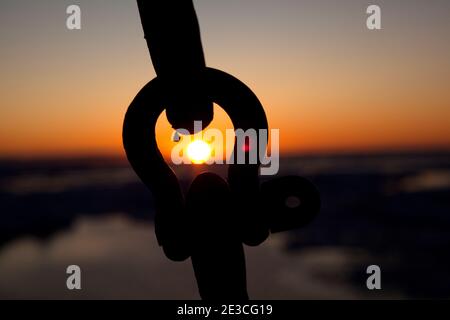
(326, 82)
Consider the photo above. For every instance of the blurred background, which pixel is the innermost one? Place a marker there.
(363, 114)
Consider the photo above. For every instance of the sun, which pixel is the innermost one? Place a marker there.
(198, 151)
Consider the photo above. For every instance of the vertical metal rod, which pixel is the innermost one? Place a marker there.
(172, 33)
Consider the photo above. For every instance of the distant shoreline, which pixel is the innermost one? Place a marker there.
(118, 158)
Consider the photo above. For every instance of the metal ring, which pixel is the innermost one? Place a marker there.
(171, 225)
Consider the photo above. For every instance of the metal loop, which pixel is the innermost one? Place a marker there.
(171, 225)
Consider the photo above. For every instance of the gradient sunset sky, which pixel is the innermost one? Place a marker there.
(326, 81)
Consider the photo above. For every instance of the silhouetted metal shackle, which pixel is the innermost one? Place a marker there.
(171, 221)
(256, 210)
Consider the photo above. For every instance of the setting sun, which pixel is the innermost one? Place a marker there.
(198, 151)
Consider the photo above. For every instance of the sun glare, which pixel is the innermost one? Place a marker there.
(199, 151)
